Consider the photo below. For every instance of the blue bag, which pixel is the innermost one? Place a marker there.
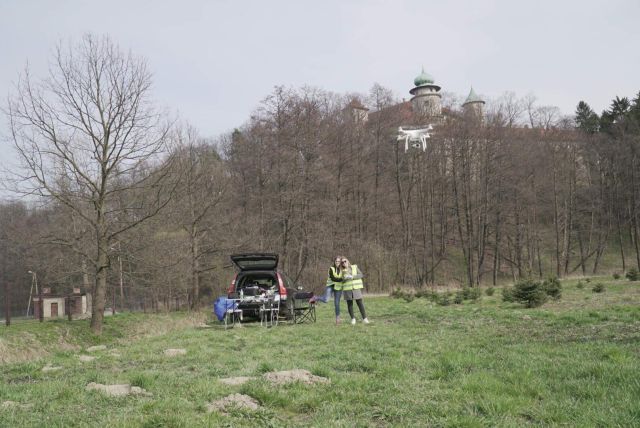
(221, 305)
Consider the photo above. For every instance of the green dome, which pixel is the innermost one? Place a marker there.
(423, 79)
(473, 98)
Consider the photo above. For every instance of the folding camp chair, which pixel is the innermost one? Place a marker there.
(302, 310)
(269, 312)
(233, 314)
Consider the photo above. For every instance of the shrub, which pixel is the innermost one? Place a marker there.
(507, 294)
(408, 297)
(580, 285)
(433, 296)
(489, 291)
(598, 288)
(444, 299)
(588, 280)
(397, 293)
(530, 293)
(633, 274)
(459, 298)
(553, 288)
(423, 293)
(475, 294)
(616, 275)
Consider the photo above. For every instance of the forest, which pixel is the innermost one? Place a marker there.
(116, 196)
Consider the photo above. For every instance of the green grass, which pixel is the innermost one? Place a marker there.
(572, 362)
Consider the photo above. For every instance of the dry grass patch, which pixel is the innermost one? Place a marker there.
(295, 375)
(239, 401)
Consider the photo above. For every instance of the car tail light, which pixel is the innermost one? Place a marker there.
(282, 290)
(232, 287)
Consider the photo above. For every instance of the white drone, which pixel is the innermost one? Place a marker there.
(417, 137)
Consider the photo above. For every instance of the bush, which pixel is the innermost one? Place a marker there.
(580, 285)
(459, 298)
(633, 274)
(489, 291)
(423, 293)
(444, 299)
(553, 288)
(475, 293)
(397, 293)
(530, 293)
(598, 288)
(616, 275)
(507, 294)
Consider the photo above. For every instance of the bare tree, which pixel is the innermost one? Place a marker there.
(89, 139)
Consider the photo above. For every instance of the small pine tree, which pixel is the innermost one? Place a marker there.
(459, 298)
(489, 291)
(598, 288)
(507, 294)
(530, 293)
(444, 299)
(553, 288)
(633, 274)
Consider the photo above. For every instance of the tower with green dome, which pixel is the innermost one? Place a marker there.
(426, 96)
(473, 106)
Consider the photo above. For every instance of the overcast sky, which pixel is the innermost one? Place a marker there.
(213, 61)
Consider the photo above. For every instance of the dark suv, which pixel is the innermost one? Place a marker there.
(258, 274)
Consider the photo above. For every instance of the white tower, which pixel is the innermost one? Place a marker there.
(473, 106)
(426, 96)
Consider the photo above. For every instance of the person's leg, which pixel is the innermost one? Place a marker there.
(360, 304)
(350, 308)
(326, 296)
(336, 301)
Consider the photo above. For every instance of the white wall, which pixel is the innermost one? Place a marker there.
(47, 306)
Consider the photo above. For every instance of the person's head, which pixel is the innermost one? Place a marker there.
(345, 263)
(337, 261)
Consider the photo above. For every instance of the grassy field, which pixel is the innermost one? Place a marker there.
(572, 362)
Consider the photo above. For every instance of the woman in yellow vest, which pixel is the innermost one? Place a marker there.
(333, 286)
(352, 289)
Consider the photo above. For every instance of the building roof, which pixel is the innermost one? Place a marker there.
(356, 104)
(473, 98)
(423, 79)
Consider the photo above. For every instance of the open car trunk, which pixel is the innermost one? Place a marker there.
(255, 261)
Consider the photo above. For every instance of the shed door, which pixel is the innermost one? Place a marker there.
(54, 310)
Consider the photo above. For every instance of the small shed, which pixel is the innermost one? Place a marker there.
(55, 305)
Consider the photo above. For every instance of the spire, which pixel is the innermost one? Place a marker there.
(473, 98)
(423, 79)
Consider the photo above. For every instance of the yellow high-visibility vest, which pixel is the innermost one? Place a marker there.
(336, 273)
(353, 284)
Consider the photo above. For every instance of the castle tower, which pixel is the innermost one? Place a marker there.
(426, 96)
(356, 112)
(473, 106)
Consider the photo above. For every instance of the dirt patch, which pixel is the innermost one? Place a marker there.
(50, 368)
(295, 375)
(239, 401)
(96, 348)
(86, 358)
(14, 405)
(174, 352)
(117, 390)
(233, 381)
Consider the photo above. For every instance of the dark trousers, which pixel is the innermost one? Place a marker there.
(360, 307)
